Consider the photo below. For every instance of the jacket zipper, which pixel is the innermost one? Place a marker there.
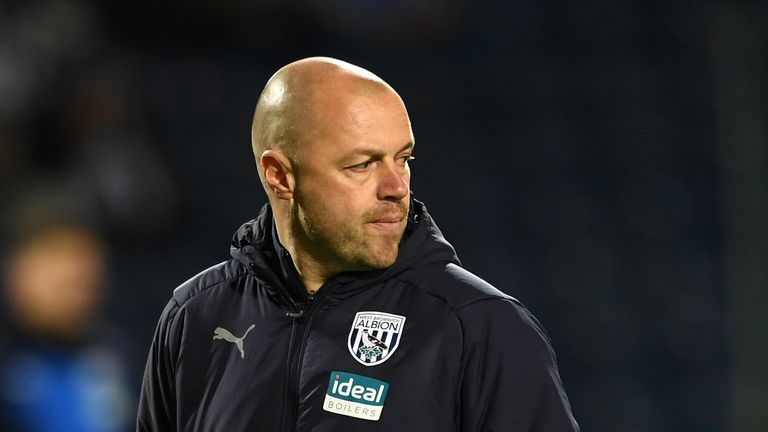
(295, 313)
(299, 325)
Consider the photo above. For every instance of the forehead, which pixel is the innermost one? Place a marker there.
(378, 118)
(367, 113)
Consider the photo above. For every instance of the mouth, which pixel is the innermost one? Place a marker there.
(389, 223)
(386, 220)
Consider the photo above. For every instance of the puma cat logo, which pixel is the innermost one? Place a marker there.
(222, 333)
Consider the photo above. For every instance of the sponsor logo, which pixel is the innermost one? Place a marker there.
(375, 336)
(222, 333)
(355, 396)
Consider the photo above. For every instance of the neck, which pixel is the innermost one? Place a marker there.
(309, 271)
(312, 272)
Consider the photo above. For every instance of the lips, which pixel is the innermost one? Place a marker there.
(389, 220)
(389, 224)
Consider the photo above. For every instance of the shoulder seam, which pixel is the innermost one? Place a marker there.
(209, 286)
(509, 299)
(430, 293)
(456, 308)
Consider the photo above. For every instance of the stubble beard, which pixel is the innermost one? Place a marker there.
(343, 244)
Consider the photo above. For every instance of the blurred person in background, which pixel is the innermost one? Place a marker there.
(60, 368)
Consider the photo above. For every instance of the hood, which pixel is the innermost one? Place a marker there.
(422, 244)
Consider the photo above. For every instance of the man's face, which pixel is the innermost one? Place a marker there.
(353, 181)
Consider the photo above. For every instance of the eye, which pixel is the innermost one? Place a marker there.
(361, 166)
(405, 159)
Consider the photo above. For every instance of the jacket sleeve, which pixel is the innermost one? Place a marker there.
(157, 401)
(510, 380)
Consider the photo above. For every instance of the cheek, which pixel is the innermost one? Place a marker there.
(340, 208)
(334, 199)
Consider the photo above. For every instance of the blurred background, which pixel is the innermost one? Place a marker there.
(604, 162)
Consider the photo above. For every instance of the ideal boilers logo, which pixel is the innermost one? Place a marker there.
(355, 396)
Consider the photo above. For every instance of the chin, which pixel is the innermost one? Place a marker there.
(380, 265)
(382, 260)
(371, 255)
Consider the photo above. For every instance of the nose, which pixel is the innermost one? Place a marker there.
(393, 182)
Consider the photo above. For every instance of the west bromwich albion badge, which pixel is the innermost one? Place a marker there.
(374, 336)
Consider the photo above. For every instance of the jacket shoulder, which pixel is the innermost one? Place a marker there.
(211, 277)
(459, 287)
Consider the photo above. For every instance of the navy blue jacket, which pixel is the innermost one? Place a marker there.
(423, 345)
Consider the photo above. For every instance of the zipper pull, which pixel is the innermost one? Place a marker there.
(295, 315)
(299, 313)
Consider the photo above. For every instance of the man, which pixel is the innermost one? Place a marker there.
(343, 308)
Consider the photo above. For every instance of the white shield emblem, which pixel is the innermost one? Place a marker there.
(375, 336)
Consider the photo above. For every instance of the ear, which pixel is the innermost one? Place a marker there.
(278, 173)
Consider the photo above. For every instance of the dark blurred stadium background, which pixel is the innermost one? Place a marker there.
(604, 162)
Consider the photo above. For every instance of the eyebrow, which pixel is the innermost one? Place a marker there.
(375, 152)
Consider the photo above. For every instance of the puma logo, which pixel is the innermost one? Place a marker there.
(222, 333)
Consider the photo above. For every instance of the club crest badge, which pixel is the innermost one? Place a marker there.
(374, 337)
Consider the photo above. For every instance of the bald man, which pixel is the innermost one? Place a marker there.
(343, 307)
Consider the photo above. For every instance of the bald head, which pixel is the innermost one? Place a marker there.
(290, 108)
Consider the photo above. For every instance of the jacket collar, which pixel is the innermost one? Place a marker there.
(255, 244)
(288, 273)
